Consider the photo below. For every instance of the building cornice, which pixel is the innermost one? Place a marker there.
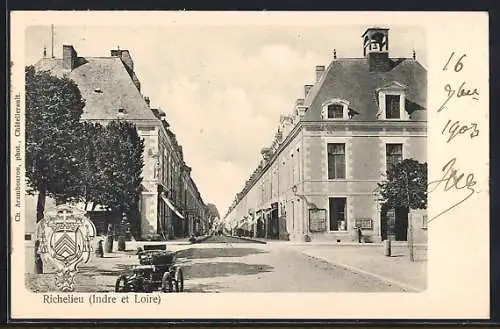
(348, 125)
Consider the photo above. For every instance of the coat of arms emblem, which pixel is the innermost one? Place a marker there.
(65, 237)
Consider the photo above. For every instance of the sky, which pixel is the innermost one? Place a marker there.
(222, 88)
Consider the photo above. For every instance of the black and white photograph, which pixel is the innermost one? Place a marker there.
(167, 160)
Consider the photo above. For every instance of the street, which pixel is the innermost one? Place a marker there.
(227, 264)
(232, 265)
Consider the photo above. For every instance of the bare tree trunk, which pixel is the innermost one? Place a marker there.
(40, 209)
(40, 205)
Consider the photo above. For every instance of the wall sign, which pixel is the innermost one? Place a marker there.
(364, 223)
(317, 220)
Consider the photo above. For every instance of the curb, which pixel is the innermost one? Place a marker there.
(247, 239)
(198, 240)
(361, 271)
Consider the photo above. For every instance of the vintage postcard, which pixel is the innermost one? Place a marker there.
(249, 165)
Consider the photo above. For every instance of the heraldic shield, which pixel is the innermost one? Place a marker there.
(65, 235)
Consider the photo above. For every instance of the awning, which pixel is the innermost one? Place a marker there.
(171, 206)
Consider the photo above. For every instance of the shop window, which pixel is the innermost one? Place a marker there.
(338, 218)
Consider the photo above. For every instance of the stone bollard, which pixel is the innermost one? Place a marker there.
(99, 251)
(387, 247)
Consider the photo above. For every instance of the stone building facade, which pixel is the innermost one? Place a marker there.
(318, 179)
(112, 91)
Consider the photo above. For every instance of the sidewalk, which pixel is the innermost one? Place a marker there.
(397, 269)
(134, 244)
(100, 274)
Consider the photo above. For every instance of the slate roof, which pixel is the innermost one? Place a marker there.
(106, 87)
(350, 79)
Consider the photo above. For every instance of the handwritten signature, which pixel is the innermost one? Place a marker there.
(452, 179)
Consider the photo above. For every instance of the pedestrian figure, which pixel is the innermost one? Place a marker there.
(360, 234)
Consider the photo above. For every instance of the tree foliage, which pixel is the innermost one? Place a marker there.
(53, 109)
(71, 160)
(212, 210)
(118, 166)
(406, 185)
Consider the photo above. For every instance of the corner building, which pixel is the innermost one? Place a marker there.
(318, 179)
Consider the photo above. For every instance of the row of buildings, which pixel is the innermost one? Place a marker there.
(318, 179)
(170, 204)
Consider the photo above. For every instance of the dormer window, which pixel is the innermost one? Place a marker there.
(121, 113)
(392, 106)
(391, 101)
(335, 109)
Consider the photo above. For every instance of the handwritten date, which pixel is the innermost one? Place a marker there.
(458, 93)
(452, 179)
(456, 128)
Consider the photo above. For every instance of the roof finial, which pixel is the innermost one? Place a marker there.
(414, 54)
(44, 51)
(335, 54)
(118, 47)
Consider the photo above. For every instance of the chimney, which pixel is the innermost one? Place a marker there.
(300, 108)
(376, 49)
(307, 89)
(69, 57)
(320, 69)
(125, 57)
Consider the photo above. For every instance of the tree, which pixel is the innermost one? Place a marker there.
(118, 175)
(70, 160)
(53, 109)
(212, 211)
(405, 187)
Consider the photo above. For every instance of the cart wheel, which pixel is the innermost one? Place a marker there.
(166, 283)
(179, 280)
(121, 283)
